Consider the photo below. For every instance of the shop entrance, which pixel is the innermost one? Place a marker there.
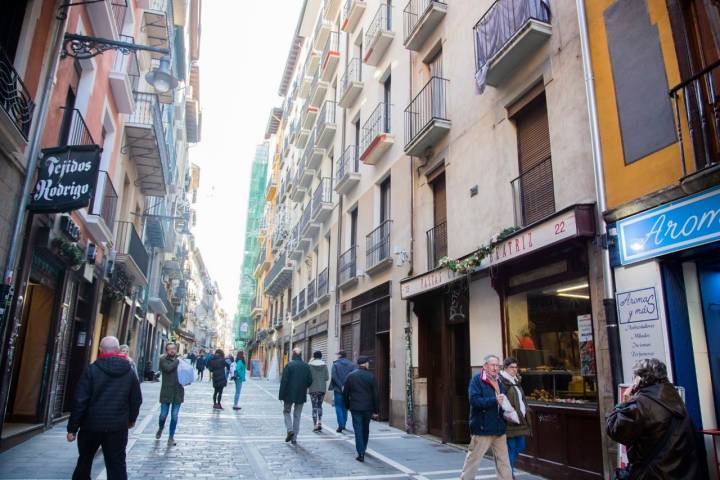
(710, 293)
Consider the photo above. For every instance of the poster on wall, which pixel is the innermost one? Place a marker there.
(587, 346)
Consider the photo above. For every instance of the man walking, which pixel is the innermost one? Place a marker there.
(487, 425)
(341, 368)
(107, 403)
(172, 393)
(296, 379)
(361, 398)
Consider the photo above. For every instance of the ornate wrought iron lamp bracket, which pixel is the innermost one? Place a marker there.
(83, 47)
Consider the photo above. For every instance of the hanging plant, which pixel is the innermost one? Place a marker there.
(471, 262)
(70, 252)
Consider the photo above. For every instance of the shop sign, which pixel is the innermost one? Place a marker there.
(679, 225)
(586, 345)
(641, 332)
(67, 178)
(427, 282)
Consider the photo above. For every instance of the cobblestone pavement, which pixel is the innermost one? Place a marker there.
(248, 444)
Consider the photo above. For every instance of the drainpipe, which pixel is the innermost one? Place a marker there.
(409, 382)
(608, 279)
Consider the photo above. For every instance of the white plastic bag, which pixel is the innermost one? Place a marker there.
(185, 373)
(509, 413)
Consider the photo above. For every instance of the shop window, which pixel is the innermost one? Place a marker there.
(549, 332)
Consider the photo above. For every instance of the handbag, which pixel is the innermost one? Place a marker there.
(509, 413)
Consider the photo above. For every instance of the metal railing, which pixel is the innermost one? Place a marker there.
(159, 5)
(294, 306)
(149, 112)
(74, 130)
(698, 97)
(119, 10)
(322, 283)
(501, 21)
(414, 12)
(277, 267)
(310, 292)
(104, 201)
(15, 99)
(301, 301)
(436, 244)
(347, 163)
(381, 22)
(377, 244)
(347, 265)
(533, 194)
(128, 63)
(305, 218)
(322, 195)
(428, 105)
(327, 114)
(163, 296)
(377, 123)
(332, 44)
(353, 73)
(128, 242)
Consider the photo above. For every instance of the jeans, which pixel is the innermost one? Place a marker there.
(316, 398)
(164, 409)
(238, 389)
(515, 446)
(361, 426)
(113, 448)
(340, 410)
(292, 423)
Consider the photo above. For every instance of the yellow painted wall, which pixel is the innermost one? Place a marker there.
(653, 172)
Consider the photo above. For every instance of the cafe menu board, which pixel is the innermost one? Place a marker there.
(587, 346)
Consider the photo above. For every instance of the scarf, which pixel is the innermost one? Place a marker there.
(113, 354)
(513, 382)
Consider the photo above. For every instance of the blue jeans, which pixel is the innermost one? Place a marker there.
(361, 425)
(515, 446)
(340, 410)
(238, 389)
(164, 409)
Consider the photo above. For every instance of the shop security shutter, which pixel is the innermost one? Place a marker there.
(347, 339)
(319, 342)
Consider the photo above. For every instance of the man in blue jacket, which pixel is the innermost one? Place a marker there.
(487, 425)
(340, 370)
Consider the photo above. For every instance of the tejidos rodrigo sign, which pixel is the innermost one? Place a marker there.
(67, 178)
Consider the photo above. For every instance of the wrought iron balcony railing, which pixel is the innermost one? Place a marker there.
(310, 292)
(327, 115)
(128, 64)
(428, 105)
(436, 244)
(301, 301)
(347, 265)
(377, 123)
(74, 130)
(377, 244)
(119, 10)
(322, 195)
(533, 194)
(332, 44)
(382, 21)
(104, 201)
(15, 99)
(347, 163)
(128, 242)
(322, 283)
(414, 12)
(353, 73)
(294, 306)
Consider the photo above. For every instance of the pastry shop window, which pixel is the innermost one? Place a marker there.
(549, 332)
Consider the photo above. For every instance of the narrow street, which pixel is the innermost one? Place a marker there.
(246, 444)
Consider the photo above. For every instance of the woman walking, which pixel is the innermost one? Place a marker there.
(200, 365)
(317, 390)
(238, 375)
(516, 434)
(125, 350)
(216, 366)
(172, 393)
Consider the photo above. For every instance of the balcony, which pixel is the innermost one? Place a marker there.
(310, 292)
(323, 28)
(326, 126)
(351, 15)
(74, 130)
(436, 244)
(696, 100)
(507, 35)
(294, 307)
(16, 107)
(279, 276)
(294, 247)
(306, 174)
(156, 26)
(377, 248)
(322, 202)
(316, 153)
(351, 84)
(533, 194)
(308, 227)
(272, 186)
(330, 57)
(131, 253)
(309, 116)
(312, 61)
(124, 78)
(302, 137)
(347, 268)
(262, 263)
(347, 173)
(146, 145)
(156, 223)
(376, 136)
(323, 286)
(280, 234)
(319, 90)
(426, 119)
(304, 83)
(298, 191)
(379, 35)
(100, 218)
(421, 18)
(107, 18)
(301, 302)
(331, 8)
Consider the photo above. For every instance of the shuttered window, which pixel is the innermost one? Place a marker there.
(537, 197)
(347, 339)
(319, 342)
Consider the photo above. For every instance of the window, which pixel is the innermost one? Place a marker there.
(385, 200)
(353, 227)
(387, 99)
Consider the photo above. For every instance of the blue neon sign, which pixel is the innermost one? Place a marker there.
(678, 225)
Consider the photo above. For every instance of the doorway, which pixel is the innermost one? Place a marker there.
(709, 276)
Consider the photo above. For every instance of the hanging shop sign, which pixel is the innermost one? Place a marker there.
(679, 225)
(67, 178)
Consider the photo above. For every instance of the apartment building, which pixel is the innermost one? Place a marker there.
(113, 265)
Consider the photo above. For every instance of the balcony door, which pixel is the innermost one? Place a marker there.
(11, 22)
(387, 84)
(437, 238)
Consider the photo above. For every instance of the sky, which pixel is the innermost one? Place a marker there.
(244, 46)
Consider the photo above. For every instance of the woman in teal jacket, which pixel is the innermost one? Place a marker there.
(238, 374)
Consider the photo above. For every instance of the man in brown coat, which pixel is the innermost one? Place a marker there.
(516, 434)
(172, 393)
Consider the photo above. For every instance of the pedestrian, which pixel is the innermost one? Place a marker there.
(217, 369)
(229, 360)
(239, 369)
(125, 350)
(200, 365)
(487, 425)
(515, 433)
(172, 393)
(340, 370)
(654, 425)
(361, 398)
(192, 357)
(208, 357)
(296, 379)
(317, 390)
(106, 405)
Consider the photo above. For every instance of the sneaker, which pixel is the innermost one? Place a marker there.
(171, 442)
(360, 458)
(237, 408)
(289, 436)
(158, 434)
(293, 441)
(220, 407)
(339, 430)
(215, 406)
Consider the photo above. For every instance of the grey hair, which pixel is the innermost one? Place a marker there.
(651, 371)
(125, 346)
(489, 356)
(110, 344)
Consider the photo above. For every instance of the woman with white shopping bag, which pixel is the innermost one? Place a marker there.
(518, 430)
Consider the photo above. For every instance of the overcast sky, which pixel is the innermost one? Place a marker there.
(244, 45)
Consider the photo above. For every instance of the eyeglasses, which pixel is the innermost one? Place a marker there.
(512, 366)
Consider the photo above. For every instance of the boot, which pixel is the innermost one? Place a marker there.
(171, 442)
(158, 434)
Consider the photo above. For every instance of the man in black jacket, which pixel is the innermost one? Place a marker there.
(296, 379)
(361, 398)
(107, 403)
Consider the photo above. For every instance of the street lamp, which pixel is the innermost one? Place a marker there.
(161, 79)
